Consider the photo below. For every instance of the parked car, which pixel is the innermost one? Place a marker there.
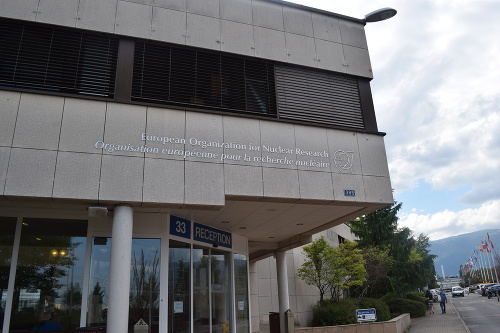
(457, 291)
(493, 290)
(484, 289)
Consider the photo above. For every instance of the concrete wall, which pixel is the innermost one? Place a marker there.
(51, 147)
(257, 28)
(396, 325)
(264, 286)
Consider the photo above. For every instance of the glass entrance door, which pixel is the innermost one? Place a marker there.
(144, 308)
(49, 275)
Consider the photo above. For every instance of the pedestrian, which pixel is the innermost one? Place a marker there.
(442, 300)
(429, 301)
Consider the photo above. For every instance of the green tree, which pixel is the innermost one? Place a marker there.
(378, 264)
(316, 269)
(348, 269)
(411, 265)
(331, 269)
(376, 228)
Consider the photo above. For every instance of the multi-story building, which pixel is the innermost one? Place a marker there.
(152, 152)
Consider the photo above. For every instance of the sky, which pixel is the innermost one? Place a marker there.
(436, 91)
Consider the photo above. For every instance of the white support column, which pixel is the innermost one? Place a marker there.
(119, 271)
(282, 278)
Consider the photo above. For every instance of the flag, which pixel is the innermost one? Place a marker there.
(489, 240)
(480, 248)
(485, 245)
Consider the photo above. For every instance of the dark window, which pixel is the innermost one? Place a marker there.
(341, 239)
(318, 97)
(170, 75)
(58, 59)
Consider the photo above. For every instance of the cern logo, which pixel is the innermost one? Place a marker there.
(343, 160)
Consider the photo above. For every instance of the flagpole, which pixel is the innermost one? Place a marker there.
(493, 256)
(481, 264)
(487, 248)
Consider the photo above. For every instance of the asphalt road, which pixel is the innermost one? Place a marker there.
(480, 314)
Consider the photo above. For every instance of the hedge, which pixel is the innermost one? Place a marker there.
(399, 306)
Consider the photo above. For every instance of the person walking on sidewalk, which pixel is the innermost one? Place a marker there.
(429, 301)
(442, 301)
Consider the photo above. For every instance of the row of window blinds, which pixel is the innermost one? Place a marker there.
(170, 75)
(318, 97)
(58, 59)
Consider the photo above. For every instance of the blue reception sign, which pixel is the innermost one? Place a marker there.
(180, 227)
(210, 235)
(366, 315)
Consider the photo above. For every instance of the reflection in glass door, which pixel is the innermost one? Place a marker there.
(47, 291)
(144, 283)
(241, 293)
(221, 297)
(8, 228)
(179, 282)
(201, 295)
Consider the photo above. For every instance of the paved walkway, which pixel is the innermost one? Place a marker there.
(450, 322)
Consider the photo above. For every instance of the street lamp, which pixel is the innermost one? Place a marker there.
(380, 15)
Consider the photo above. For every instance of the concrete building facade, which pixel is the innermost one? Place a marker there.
(154, 152)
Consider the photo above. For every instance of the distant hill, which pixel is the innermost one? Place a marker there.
(453, 251)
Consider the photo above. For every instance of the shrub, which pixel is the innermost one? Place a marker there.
(383, 312)
(388, 296)
(330, 314)
(402, 305)
(416, 296)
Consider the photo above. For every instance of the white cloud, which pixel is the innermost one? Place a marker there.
(447, 223)
(437, 94)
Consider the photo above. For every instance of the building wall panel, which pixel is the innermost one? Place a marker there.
(133, 19)
(316, 185)
(168, 130)
(267, 15)
(372, 155)
(330, 56)
(96, 15)
(121, 178)
(326, 28)
(352, 34)
(204, 184)
(30, 173)
(77, 176)
(169, 25)
(206, 7)
(237, 38)
(281, 183)
(163, 181)
(38, 122)
(301, 50)
(51, 11)
(343, 182)
(9, 102)
(163, 20)
(298, 21)
(203, 31)
(19, 9)
(124, 126)
(245, 132)
(241, 180)
(82, 125)
(4, 163)
(357, 61)
(236, 10)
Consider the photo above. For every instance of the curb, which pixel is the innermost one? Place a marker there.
(459, 317)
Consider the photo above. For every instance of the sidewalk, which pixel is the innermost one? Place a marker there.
(450, 322)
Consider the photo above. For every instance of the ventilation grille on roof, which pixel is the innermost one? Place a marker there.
(57, 59)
